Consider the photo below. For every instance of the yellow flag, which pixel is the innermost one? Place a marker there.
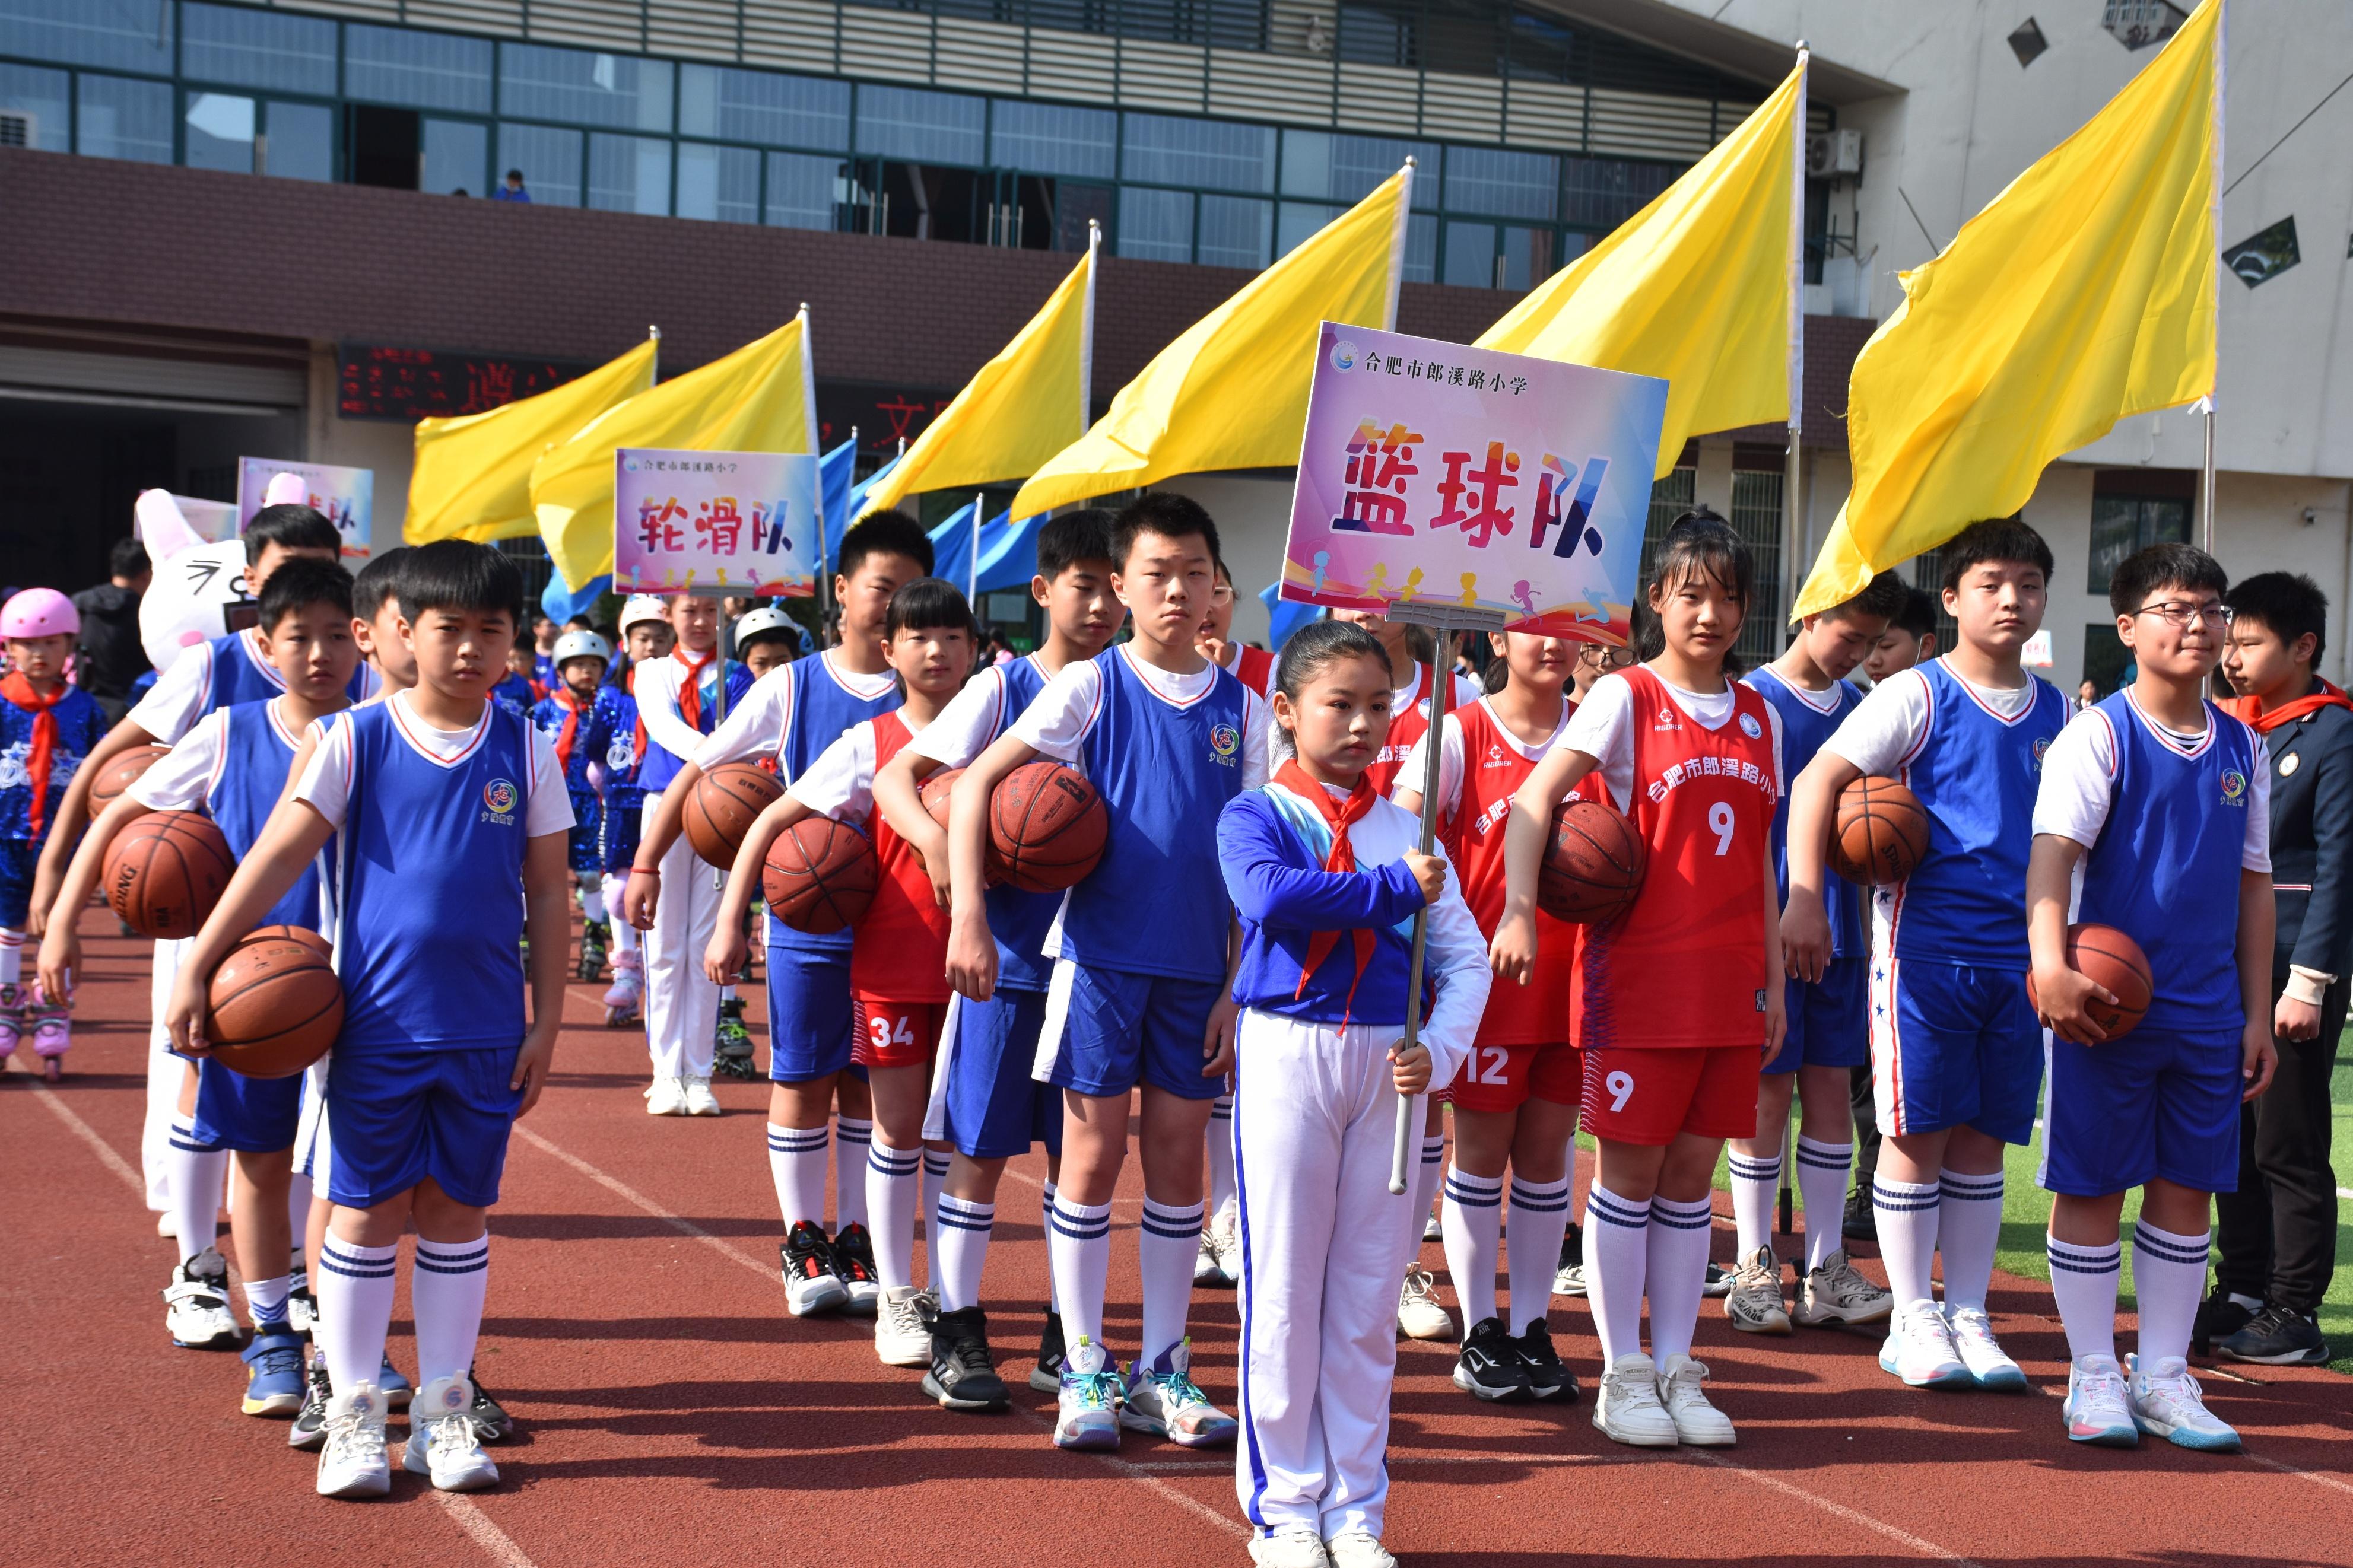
(2083, 293)
(761, 398)
(1232, 393)
(1024, 406)
(1697, 287)
(472, 473)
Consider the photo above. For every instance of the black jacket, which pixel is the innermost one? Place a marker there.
(110, 656)
(2312, 839)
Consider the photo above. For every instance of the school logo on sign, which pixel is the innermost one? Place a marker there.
(1343, 355)
(2234, 787)
(498, 798)
(1226, 741)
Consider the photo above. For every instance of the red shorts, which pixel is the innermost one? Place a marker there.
(1634, 1095)
(896, 1034)
(1504, 1077)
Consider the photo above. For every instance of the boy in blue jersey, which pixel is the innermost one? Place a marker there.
(234, 763)
(577, 717)
(1956, 1054)
(1166, 738)
(1829, 1031)
(433, 801)
(2155, 805)
(791, 717)
(993, 1109)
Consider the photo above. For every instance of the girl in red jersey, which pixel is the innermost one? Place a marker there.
(1677, 1002)
(1516, 1098)
(898, 966)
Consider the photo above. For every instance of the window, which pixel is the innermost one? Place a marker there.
(579, 88)
(549, 158)
(1470, 255)
(1297, 224)
(117, 117)
(1235, 232)
(722, 184)
(128, 35)
(802, 190)
(219, 131)
(1156, 226)
(764, 107)
(2133, 509)
(456, 158)
(2105, 658)
(1348, 168)
(1501, 183)
(33, 111)
(422, 70)
(1603, 192)
(301, 145)
(1525, 258)
(1421, 248)
(1379, 36)
(921, 127)
(257, 48)
(1756, 477)
(1217, 153)
(1053, 139)
(630, 174)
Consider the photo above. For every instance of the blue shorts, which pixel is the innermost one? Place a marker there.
(1106, 1030)
(810, 1030)
(2149, 1105)
(401, 1115)
(616, 829)
(254, 1115)
(17, 859)
(995, 1109)
(1953, 1046)
(1828, 1027)
(584, 849)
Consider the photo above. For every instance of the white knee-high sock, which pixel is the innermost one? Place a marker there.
(1472, 1220)
(1078, 1245)
(1755, 1182)
(354, 1309)
(1046, 1221)
(852, 1137)
(297, 1209)
(893, 1187)
(1539, 1219)
(964, 1228)
(796, 1166)
(1426, 1181)
(1165, 1246)
(1822, 1193)
(1677, 1274)
(2169, 1276)
(625, 935)
(1968, 1227)
(1617, 1264)
(1222, 1155)
(12, 960)
(2084, 1284)
(1906, 1213)
(198, 1172)
(446, 1284)
(936, 1180)
(592, 901)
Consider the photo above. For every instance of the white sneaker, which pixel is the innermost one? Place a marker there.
(666, 1096)
(2098, 1406)
(1219, 1261)
(1359, 1548)
(195, 1304)
(1086, 1413)
(1921, 1352)
(1292, 1546)
(352, 1461)
(1989, 1365)
(700, 1100)
(1754, 1303)
(2167, 1403)
(1627, 1408)
(1419, 1317)
(166, 1226)
(1431, 1230)
(1164, 1400)
(1697, 1423)
(1838, 1292)
(1206, 1268)
(901, 1337)
(442, 1441)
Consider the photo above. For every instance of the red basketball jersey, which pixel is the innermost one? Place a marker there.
(1686, 966)
(1494, 765)
(1407, 725)
(901, 950)
(1254, 668)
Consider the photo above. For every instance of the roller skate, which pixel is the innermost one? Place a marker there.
(622, 999)
(52, 1034)
(12, 1020)
(593, 937)
(732, 1052)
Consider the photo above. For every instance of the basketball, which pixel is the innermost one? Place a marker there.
(165, 872)
(2108, 957)
(1593, 864)
(820, 876)
(723, 805)
(1882, 834)
(121, 775)
(274, 1005)
(1048, 825)
(934, 793)
(304, 934)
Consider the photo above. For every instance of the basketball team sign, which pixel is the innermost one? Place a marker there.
(1440, 476)
(714, 522)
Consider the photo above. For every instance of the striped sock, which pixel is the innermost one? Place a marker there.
(1822, 1193)
(2169, 1276)
(1165, 1246)
(936, 1180)
(197, 1170)
(796, 1166)
(1539, 1219)
(1078, 1245)
(354, 1292)
(851, 1138)
(12, 958)
(266, 1299)
(964, 1228)
(1473, 1222)
(1906, 1213)
(1677, 1273)
(448, 1281)
(2083, 1284)
(893, 1187)
(1046, 1229)
(1221, 1154)
(1426, 1183)
(1968, 1227)
(1755, 1180)
(1617, 1259)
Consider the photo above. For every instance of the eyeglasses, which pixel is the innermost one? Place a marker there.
(2176, 613)
(1221, 595)
(1614, 657)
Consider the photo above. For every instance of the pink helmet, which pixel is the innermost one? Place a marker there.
(39, 613)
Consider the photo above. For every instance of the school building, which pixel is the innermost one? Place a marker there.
(286, 231)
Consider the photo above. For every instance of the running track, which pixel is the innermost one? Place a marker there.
(673, 1412)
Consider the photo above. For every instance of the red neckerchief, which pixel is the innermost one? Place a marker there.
(2265, 721)
(568, 700)
(18, 688)
(629, 685)
(1338, 816)
(690, 688)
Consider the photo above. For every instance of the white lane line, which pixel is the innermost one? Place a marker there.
(2283, 1467)
(1852, 1515)
(1127, 1469)
(81, 1129)
(496, 1543)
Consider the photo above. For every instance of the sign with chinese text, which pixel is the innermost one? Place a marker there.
(1474, 480)
(714, 522)
(374, 380)
(347, 495)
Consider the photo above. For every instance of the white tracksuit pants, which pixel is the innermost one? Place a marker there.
(681, 1004)
(1323, 1244)
(165, 1072)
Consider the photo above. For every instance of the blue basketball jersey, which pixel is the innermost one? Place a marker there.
(256, 756)
(236, 674)
(659, 766)
(1804, 728)
(431, 867)
(2166, 869)
(1976, 774)
(1157, 903)
(823, 708)
(1019, 921)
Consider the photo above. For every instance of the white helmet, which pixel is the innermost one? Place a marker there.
(769, 619)
(581, 645)
(643, 607)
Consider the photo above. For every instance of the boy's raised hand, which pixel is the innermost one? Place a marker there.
(1427, 870)
(1409, 1067)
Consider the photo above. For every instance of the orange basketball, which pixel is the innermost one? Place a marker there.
(722, 807)
(1593, 864)
(820, 876)
(165, 872)
(936, 786)
(274, 1005)
(2108, 957)
(304, 934)
(1048, 825)
(121, 773)
(1883, 832)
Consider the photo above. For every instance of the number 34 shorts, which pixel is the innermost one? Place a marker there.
(1634, 1095)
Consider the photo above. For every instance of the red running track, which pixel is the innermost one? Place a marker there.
(673, 1412)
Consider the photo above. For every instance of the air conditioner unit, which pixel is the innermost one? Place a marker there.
(1833, 154)
(17, 128)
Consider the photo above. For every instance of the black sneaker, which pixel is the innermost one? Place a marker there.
(492, 1422)
(2278, 1336)
(1046, 1377)
(1568, 1278)
(1547, 1378)
(812, 1284)
(1718, 1282)
(962, 1374)
(310, 1429)
(2219, 1316)
(853, 1265)
(1861, 1222)
(1489, 1366)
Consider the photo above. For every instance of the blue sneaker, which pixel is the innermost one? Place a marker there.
(1087, 1416)
(274, 1384)
(1162, 1399)
(394, 1388)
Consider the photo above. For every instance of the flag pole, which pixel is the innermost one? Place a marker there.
(2206, 478)
(972, 567)
(1792, 480)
